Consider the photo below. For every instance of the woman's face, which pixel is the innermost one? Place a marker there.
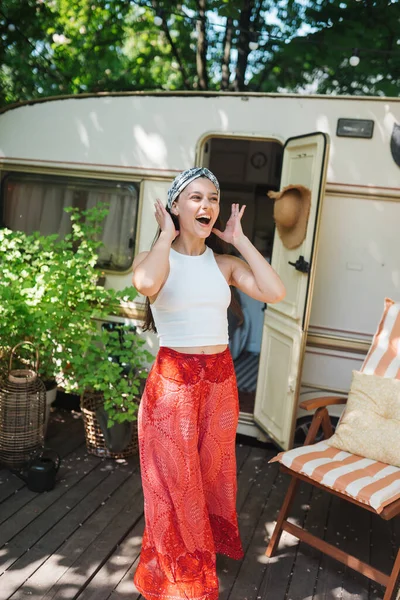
(197, 207)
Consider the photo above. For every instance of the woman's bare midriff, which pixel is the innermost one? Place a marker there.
(201, 349)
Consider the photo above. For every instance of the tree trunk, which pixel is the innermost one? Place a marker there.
(201, 54)
(186, 82)
(227, 54)
(264, 76)
(243, 45)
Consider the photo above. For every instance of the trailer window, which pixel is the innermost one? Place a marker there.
(37, 204)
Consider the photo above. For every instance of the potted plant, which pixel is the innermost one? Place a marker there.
(25, 307)
(49, 293)
(108, 369)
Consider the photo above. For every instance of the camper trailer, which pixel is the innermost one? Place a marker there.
(126, 149)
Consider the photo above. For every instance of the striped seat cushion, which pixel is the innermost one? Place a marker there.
(368, 481)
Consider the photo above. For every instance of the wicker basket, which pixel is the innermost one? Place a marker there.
(22, 412)
(95, 442)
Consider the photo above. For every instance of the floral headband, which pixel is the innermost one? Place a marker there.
(183, 179)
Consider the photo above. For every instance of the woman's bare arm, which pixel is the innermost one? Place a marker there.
(151, 269)
(255, 277)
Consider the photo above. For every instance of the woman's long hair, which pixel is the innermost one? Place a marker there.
(219, 247)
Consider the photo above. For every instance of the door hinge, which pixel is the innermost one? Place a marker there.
(291, 384)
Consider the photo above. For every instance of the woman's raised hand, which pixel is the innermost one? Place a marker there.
(164, 220)
(233, 230)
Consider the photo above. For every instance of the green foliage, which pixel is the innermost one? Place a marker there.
(58, 47)
(113, 363)
(319, 61)
(49, 296)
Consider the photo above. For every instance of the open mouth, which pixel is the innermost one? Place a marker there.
(204, 220)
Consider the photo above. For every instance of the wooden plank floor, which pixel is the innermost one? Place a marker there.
(81, 541)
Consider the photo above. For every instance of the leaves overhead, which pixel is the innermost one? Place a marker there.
(57, 47)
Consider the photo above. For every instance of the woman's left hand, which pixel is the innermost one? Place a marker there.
(233, 230)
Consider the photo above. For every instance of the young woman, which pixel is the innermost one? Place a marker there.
(189, 411)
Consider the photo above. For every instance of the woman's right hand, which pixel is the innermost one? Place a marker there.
(164, 220)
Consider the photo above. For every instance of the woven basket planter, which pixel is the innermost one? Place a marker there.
(22, 413)
(95, 441)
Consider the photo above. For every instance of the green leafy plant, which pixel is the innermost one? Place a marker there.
(49, 296)
(113, 363)
(48, 290)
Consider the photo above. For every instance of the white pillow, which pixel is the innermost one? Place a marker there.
(370, 424)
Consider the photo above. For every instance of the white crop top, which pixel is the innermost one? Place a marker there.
(191, 308)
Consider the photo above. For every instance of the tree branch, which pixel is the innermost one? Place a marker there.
(201, 52)
(264, 76)
(258, 11)
(186, 82)
(227, 54)
(243, 45)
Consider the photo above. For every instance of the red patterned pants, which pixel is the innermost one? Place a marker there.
(187, 426)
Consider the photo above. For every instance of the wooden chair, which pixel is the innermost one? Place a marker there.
(317, 464)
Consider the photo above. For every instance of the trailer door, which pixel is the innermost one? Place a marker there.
(285, 324)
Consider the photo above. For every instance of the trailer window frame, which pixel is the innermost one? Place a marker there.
(81, 184)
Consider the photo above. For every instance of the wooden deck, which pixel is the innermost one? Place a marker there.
(82, 540)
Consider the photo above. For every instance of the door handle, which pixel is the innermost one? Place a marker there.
(301, 265)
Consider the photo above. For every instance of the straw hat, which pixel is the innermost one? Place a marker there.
(291, 211)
